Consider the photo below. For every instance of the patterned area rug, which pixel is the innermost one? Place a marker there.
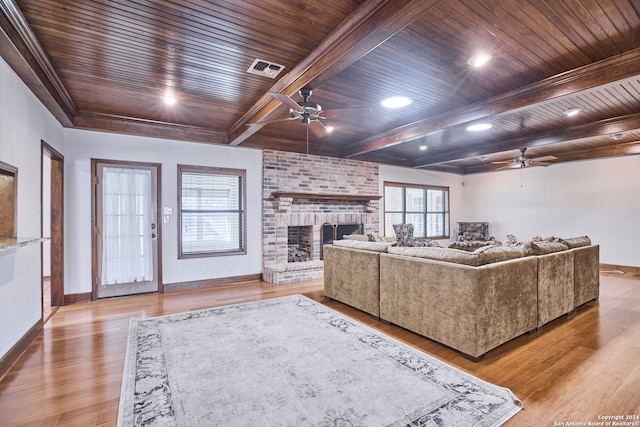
(292, 362)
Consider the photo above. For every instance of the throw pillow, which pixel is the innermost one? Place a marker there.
(375, 237)
(576, 242)
(511, 240)
(543, 248)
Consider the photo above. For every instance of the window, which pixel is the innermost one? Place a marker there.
(211, 211)
(426, 207)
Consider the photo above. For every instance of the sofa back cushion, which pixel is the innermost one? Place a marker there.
(360, 237)
(481, 256)
(367, 246)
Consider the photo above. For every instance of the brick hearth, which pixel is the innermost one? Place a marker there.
(312, 191)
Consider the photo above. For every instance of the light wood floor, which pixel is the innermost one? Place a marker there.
(575, 369)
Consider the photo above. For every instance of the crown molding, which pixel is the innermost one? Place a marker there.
(21, 49)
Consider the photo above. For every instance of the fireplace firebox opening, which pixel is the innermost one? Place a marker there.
(300, 243)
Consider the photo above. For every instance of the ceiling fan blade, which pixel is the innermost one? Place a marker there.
(544, 159)
(537, 163)
(512, 165)
(288, 101)
(344, 112)
(318, 128)
(502, 163)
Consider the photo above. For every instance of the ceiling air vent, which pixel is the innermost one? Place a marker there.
(265, 68)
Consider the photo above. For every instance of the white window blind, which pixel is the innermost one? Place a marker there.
(212, 212)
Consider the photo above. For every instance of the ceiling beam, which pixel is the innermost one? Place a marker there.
(607, 71)
(369, 26)
(151, 128)
(602, 127)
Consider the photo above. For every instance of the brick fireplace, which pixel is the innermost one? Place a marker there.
(301, 194)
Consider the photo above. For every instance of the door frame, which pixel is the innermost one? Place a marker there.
(57, 222)
(94, 230)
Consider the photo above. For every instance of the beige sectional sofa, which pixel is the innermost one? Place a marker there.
(470, 301)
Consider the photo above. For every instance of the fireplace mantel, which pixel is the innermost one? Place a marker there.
(324, 196)
(284, 199)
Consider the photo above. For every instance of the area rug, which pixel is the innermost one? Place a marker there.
(292, 362)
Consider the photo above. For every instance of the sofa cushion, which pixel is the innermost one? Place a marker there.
(469, 246)
(367, 246)
(543, 248)
(481, 256)
(360, 237)
(577, 242)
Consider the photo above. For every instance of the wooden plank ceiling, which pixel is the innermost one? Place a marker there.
(107, 65)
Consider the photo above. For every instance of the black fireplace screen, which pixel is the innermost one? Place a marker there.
(331, 232)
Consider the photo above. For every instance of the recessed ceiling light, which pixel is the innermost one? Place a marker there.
(423, 148)
(329, 129)
(479, 126)
(479, 60)
(396, 102)
(572, 112)
(169, 99)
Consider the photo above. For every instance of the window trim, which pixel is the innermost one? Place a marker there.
(242, 173)
(404, 186)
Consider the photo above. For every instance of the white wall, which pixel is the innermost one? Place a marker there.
(81, 146)
(422, 177)
(24, 122)
(599, 198)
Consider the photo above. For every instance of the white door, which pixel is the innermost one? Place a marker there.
(126, 229)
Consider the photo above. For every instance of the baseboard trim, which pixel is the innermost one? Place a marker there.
(70, 299)
(7, 361)
(197, 284)
(619, 269)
